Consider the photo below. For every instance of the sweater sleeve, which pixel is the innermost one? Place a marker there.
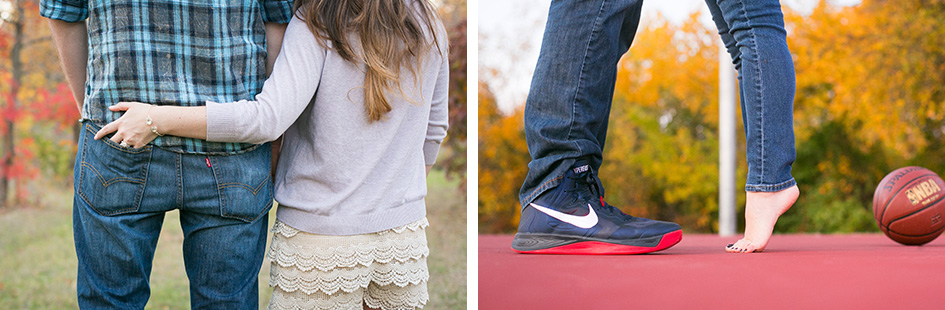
(285, 95)
(439, 109)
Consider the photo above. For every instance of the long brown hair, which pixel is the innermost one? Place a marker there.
(390, 36)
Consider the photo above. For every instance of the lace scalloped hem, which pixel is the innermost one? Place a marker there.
(349, 279)
(385, 270)
(294, 248)
(374, 296)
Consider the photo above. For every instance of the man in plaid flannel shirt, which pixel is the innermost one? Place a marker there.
(167, 52)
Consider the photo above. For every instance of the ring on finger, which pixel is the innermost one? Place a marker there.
(124, 144)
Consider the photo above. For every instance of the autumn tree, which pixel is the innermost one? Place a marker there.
(38, 113)
(503, 163)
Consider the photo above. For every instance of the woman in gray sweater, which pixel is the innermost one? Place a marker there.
(359, 91)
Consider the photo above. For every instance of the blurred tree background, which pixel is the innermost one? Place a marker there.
(870, 98)
(38, 128)
(453, 162)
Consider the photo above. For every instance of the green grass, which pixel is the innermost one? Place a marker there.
(38, 263)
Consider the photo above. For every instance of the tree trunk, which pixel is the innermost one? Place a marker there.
(8, 146)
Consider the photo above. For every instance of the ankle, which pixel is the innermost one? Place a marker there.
(790, 191)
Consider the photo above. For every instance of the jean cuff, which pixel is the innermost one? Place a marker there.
(770, 188)
(545, 186)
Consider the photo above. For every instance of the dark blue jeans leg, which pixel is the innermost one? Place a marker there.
(224, 218)
(754, 35)
(568, 105)
(115, 232)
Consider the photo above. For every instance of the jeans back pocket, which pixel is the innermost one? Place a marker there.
(110, 178)
(244, 183)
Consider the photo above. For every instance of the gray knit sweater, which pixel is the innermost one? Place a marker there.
(338, 173)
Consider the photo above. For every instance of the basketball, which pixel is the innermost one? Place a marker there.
(909, 204)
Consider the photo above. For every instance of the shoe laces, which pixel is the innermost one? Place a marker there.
(589, 181)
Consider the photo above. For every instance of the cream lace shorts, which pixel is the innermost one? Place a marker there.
(386, 270)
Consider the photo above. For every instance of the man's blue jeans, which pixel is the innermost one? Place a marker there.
(568, 105)
(121, 196)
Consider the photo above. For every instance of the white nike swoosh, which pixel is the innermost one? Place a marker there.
(586, 221)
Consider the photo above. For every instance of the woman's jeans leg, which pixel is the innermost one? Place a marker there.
(753, 33)
(572, 88)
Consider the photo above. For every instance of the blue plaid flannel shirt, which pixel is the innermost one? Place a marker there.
(172, 52)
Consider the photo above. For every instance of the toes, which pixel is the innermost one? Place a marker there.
(747, 249)
(742, 246)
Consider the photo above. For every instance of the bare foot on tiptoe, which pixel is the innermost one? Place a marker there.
(761, 213)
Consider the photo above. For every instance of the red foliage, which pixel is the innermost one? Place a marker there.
(57, 106)
(10, 112)
(23, 167)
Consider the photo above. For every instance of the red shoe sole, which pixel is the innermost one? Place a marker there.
(602, 248)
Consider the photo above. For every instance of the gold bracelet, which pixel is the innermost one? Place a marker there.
(149, 122)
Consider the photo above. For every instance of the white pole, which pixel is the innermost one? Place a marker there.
(727, 221)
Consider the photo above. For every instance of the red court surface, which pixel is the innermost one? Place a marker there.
(859, 271)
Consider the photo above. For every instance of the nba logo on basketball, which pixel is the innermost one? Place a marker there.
(909, 205)
(923, 190)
